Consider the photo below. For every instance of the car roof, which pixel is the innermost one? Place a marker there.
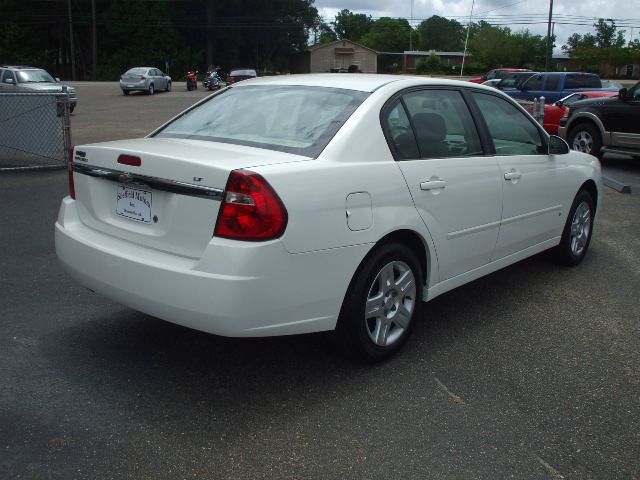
(20, 67)
(363, 82)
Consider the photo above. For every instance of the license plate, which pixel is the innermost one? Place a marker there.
(131, 85)
(133, 203)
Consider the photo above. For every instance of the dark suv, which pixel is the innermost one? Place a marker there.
(606, 124)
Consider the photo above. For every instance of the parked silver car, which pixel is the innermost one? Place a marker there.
(24, 79)
(144, 79)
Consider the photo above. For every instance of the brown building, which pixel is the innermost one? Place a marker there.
(341, 55)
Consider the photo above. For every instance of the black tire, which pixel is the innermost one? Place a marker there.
(189, 86)
(586, 138)
(126, 92)
(151, 89)
(168, 89)
(397, 302)
(71, 108)
(578, 230)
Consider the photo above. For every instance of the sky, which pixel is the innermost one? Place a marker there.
(570, 16)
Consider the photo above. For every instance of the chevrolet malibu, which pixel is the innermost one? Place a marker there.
(299, 204)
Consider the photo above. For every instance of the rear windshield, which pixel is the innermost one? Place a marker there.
(136, 71)
(292, 119)
(241, 73)
(34, 76)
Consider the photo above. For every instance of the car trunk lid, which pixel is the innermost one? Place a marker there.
(161, 193)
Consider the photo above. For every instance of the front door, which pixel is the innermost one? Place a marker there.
(532, 181)
(455, 187)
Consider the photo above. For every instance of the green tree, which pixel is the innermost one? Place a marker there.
(325, 34)
(607, 35)
(388, 35)
(351, 26)
(579, 41)
(431, 64)
(439, 33)
(496, 47)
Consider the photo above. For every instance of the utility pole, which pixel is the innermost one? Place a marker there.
(464, 54)
(411, 29)
(94, 41)
(73, 50)
(549, 46)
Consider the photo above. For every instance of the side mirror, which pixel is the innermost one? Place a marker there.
(622, 93)
(557, 146)
(57, 80)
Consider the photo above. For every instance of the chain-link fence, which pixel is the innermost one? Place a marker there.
(35, 131)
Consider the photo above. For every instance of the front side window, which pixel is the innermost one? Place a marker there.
(294, 119)
(442, 124)
(6, 75)
(534, 83)
(511, 131)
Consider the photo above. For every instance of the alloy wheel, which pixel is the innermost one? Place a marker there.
(583, 142)
(580, 229)
(391, 302)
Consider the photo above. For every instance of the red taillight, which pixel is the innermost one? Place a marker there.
(230, 79)
(72, 186)
(142, 77)
(251, 210)
(130, 160)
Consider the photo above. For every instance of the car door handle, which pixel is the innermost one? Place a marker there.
(512, 175)
(432, 184)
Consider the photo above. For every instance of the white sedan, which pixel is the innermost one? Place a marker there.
(299, 204)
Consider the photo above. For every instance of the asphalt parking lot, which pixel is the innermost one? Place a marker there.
(530, 373)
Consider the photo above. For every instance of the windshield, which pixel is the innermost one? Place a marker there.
(34, 76)
(291, 119)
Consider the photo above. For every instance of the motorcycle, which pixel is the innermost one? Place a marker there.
(212, 81)
(192, 80)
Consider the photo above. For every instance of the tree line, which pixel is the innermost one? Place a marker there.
(100, 39)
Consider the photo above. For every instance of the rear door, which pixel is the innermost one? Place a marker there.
(455, 187)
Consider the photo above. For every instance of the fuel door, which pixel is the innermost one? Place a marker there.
(359, 211)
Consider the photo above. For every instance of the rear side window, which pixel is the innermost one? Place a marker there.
(511, 131)
(436, 123)
(6, 75)
(582, 81)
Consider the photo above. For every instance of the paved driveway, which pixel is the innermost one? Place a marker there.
(529, 373)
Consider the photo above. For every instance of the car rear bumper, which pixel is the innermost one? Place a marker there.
(142, 86)
(235, 289)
